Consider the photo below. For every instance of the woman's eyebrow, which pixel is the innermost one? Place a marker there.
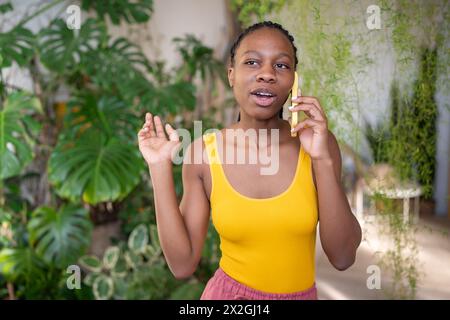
(281, 54)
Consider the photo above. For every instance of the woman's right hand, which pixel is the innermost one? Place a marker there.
(153, 144)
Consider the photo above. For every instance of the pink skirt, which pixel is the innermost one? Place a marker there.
(222, 287)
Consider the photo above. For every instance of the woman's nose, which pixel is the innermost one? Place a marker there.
(267, 74)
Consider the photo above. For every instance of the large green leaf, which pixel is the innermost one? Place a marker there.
(16, 45)
(115, 65)
(60, 237)
(16, 130)
(106, 113)
(132, 11)
(95, 168)
(21, 264)
(61, 48)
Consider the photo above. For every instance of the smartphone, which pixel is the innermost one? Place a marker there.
(296, 116)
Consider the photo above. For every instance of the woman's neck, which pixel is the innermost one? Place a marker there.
(247, 122)
(270, 124)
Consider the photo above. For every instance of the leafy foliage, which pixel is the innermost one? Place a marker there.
(16, 45)
(136, 270)
(60, 237)
(93, 167)
(133, 12)
(61, 48)
(255, 9)
(113, 66)
(17, 129)
(198, 59)
(21, 264)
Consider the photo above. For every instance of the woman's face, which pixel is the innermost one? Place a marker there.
(263, 73)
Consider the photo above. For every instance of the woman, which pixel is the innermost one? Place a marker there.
(267, 223)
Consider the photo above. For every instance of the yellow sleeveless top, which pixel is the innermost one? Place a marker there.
(267, 244)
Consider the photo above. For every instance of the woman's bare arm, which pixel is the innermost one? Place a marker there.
(340, 233)
(181, 229)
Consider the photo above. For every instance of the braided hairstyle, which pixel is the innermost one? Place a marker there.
(254, 27)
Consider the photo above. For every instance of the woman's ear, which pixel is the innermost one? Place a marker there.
(231, 76)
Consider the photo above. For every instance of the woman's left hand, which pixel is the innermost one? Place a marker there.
(312, 131)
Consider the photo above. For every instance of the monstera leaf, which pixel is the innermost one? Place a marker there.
(16, 125)
(117, 67)
(95, 168)
(16, 45)
(60, 237)
(106, 113)
(132, 11)
(61, 48)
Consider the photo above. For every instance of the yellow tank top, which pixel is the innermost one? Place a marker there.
(267, 244)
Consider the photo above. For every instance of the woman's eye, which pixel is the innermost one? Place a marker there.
(250, 62)
(282, 65)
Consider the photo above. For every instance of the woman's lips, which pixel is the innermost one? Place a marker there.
(263, 101)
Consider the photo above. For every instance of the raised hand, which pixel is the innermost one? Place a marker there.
(313, 131)
(153, 144)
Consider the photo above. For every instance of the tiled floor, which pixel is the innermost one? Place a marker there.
(434, 264)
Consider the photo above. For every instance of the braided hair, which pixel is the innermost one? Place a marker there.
(254, 27)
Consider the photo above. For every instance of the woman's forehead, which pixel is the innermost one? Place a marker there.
(265, 41)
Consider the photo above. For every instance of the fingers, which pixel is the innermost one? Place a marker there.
(156, 129)
(310, 100)
(173, 134)
(148, 125)
(159, 128)
(314, 124)
(310, 109)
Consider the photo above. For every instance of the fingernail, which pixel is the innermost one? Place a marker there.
(291, 107)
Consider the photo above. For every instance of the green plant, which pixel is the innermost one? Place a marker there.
(136, 270)
(131, 12)
(18, 130)
(247, 11)
(412, 147)
(60, 237)
(378, 139)
(37, 258)
(400, 260)
(90, 157)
